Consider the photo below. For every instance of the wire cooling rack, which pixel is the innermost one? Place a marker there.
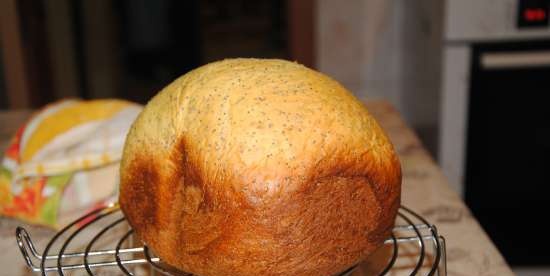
(415, 248)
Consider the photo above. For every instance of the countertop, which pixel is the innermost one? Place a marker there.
(425, 190)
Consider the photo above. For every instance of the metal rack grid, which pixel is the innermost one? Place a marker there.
(424, 249)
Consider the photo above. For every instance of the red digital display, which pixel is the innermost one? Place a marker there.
(534, 14)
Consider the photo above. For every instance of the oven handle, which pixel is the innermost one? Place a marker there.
(505, 60)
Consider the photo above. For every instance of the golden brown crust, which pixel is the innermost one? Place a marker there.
(259, 167)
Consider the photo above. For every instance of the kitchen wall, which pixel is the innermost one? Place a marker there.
(388, 49)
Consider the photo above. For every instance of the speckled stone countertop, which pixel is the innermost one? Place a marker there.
(425, 190)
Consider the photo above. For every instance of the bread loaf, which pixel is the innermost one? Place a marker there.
(259, 167)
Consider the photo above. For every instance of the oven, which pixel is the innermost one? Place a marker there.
(507, 169)
(494, 143)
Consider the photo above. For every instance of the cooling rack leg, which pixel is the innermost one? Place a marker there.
(152, 271)
(442, 270)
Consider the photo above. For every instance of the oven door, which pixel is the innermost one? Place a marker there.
(508, 147)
